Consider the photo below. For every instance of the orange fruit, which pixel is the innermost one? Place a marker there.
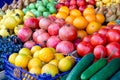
(35, 70)
(70, 19)
(64, 9)
(89, 10)
(93, 27)
(100, 18)
(81, 33)
(80, 22)
(50, 69)
(46, 54)
(111, 23)
(75, 12)
(90, 18)
(54, 14)
(34, 62)
(61, 15)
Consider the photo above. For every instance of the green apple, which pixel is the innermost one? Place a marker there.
(38, 13)
(52, 10)
(51, 4)
(38, 4)
(41, 8)
(32, 6)
(52, 0)
(25, 10)
(33, 10)
(46, 14)
(45, 2)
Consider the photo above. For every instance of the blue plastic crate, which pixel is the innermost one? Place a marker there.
(2, 2)
(15, 73)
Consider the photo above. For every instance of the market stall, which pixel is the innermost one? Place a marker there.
(60, 40)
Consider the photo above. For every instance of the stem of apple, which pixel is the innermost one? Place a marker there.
(111, 54)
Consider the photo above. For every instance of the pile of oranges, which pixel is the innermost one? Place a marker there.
(86, 23)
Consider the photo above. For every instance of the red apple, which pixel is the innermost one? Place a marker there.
(29, 44)
(98, 39)
(52, 18)
(39, 18)
(24, 34)
(103, 31)
(60, 21)
(81, 8)
(65, 47)
(68, 32)
(44, 23)
(84, 48)
(53, 29)
(72, 7)
(53, 41)
(57, 6)
(92, 2)
(100, 51)
(117, 27)
(31, 23)
(87, 38)
(42, 39)
(81, 3)
(73, 2)
(113, 35)
(37, 33)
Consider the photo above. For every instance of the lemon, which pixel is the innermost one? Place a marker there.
(35, 70)
(58, 56)
(65, 65)
(34, 62)
(35, 48)
(50, 69)
(22, 60)
(54, 61)
(106, 1)
(36, 54)
(25, 51)
(20, 12)
(46, 54)
(10, 22)
(12, 58)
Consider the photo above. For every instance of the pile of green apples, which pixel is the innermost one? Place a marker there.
(41, 8)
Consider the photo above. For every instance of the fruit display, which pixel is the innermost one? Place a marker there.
(98, 70)
(48, 32)
(87, 22)
(111, 13)
(41, 8)
(75, 4)
(39, 60)
(60, 39)
(101, 3)
(17, 4)
(101, 43)
(8, 46)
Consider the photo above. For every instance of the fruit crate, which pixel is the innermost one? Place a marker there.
(16, 73)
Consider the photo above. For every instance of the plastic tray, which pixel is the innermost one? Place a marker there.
(15, 73)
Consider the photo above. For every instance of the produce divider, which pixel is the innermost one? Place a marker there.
(16, 73)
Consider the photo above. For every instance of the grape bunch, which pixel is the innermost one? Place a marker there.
(8, 45)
